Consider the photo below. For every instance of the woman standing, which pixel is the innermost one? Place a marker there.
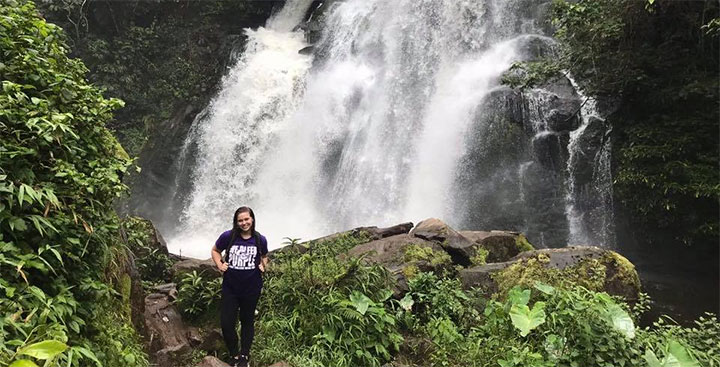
(244, 261)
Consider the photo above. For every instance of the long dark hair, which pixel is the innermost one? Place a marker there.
(236, 231)
(236, 228)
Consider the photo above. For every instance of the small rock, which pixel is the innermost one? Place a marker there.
(211, 361)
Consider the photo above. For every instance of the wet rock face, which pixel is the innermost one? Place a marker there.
(513, 172)
(590, 142)
(155, 194)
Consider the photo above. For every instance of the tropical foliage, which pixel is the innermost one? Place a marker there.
(61, 259)
(324, 308)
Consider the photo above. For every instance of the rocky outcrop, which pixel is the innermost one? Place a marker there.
(205, 267)
(460, 248)
(499, 246)
(403, 256)
(370, 233)
(167, 333)
(594, 268)
(168, 337)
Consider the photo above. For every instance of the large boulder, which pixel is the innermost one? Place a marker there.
(481, 276)
(370, 233)
(206, 268)
(458, 246)
(498, 246)
(403, 256)
(591, 267)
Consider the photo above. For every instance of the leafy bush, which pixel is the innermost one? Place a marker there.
(60, 171)
(153, 264)
(197, 295)
(440, 298)
(318, 310)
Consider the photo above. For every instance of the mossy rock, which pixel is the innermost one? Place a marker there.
(354, 236)
(458, 246)
(404, 256)
(496, 246)
(591, 267)
(205, 268)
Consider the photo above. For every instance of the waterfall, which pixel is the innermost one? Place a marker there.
(396, 117)
(589, 206)
(239, 127)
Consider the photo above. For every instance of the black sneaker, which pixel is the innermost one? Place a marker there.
(241, 361)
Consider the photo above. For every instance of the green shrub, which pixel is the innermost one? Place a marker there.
(153, 264)
(319, 310)
(197, 295)
(60, 171)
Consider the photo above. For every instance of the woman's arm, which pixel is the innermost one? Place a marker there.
(217, 259)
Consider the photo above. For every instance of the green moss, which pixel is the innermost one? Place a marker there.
(410, 271)
(125, 286)
(436, 258)
(480, 257)
(523, 244)
(589, 273)
(623, 270)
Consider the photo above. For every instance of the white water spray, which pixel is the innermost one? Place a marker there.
(371, 135)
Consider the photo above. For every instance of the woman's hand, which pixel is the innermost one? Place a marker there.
(263, 263)
(223, 267)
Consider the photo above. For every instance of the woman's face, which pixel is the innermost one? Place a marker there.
(244, 221)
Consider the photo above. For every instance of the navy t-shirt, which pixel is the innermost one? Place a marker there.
(243, 276)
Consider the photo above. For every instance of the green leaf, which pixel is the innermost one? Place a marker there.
(360, 301)
(681, 355)
(545, 288)
(519, 296)
(23, 363)
(651, 359)
(43, 350)
(328, 333)
(620, 320)
(88, 354)
(407, 302)
(525, 319)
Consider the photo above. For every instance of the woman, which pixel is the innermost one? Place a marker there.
(244, 261)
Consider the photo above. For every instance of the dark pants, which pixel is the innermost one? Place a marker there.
(229, 317)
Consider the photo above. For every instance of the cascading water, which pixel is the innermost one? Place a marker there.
(589, 205)
(238, 128)
(398, 117)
